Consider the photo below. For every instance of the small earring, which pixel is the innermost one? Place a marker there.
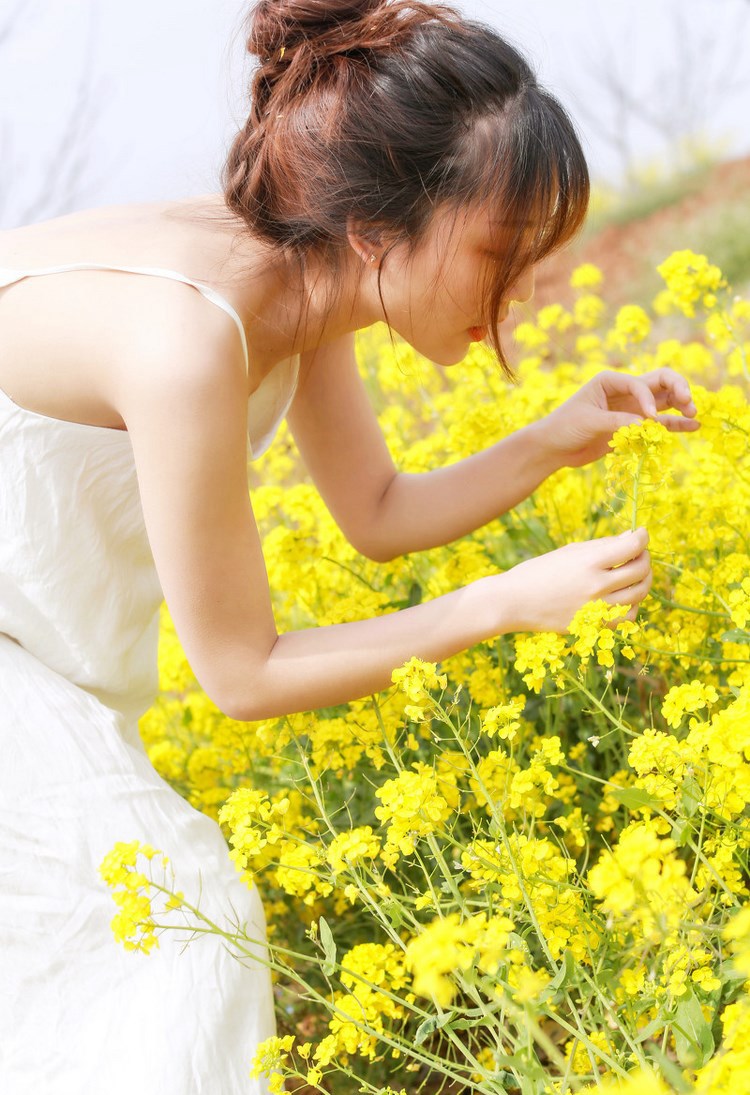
(373, 258)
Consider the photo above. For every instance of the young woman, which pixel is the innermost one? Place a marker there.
(398, 163)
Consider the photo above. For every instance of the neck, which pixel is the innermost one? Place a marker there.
(290, 308)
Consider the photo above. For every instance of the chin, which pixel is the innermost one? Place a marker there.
(446, 353)
(442, 362)
(445, 357)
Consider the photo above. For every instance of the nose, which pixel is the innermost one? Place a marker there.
(523, 288)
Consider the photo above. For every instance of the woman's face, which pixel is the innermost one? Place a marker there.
(433, 296)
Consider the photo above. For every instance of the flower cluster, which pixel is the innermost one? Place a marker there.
(447, 947)
(690, 279)
(593, 633)
(639, 466)
(133, 925)
(412, 807)
(416, 678)
(632, 325)
(528, 864)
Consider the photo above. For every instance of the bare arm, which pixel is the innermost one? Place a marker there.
(386, 513)
(187, 423)
(436, 507)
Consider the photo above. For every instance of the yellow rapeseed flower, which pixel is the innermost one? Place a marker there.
(586, 276)
(689, 279)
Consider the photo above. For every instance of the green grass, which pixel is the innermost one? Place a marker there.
(635, 205)
(723, 233)
(720, 231)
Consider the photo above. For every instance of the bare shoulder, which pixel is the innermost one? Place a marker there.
(108, 333)
(107, 340)
(181, 349)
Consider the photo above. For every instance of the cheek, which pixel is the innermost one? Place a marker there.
(433, 291)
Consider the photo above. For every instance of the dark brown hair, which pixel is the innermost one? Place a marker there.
(376, 112)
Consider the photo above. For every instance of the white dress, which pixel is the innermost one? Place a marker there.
(79, 601)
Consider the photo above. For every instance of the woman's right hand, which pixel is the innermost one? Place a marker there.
(543, 594)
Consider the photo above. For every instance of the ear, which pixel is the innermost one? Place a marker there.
(366, 242)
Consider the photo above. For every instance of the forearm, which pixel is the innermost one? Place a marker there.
(325, 666)
(424, 510)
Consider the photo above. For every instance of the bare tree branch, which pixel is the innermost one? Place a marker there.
(701, 71)
(66, 178)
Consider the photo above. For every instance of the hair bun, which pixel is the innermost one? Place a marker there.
(284, 24)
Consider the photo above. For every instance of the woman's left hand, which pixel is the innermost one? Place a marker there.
(580, 429)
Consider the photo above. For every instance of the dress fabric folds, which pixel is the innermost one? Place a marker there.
(79, 606)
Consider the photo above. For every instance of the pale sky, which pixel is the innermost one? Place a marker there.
(164, 83)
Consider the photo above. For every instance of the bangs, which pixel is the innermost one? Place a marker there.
(551, 180)
(535, 183)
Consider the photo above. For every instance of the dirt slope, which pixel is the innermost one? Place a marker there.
(628, 253)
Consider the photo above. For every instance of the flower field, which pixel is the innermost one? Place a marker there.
(524, 871)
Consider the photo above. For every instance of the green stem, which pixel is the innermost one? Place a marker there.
(636, 483)
(617, 723)
(239, 938)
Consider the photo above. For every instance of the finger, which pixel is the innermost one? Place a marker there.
(671, 390)
(620, 418)
(631, 615)
(634, 386)
(630, 573)
(617, 550)
(666, 398)
(632, 594)
(677, 424)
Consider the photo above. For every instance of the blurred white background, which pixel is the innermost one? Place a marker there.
(105, 103)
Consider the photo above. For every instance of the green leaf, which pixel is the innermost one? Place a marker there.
(564, 975)
(729, 973)
(738, 635)
(635, 798)
(669, 1070)
(425, 1028)
(329, 947)
(464, 1024)
(393, 911)
(415, 595)
(435, 1022)
(693, 1040)
(655, 1025)
(692, 796)
(681, 830)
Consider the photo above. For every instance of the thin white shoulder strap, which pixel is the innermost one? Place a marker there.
(206, 290)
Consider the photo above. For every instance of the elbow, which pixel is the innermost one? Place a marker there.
(377, 549)
(378, 553)
(387, 555)
(255, 698)
(374, 537)
(238, 704)
(242, 690)
(242, 709)
(256, 703)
